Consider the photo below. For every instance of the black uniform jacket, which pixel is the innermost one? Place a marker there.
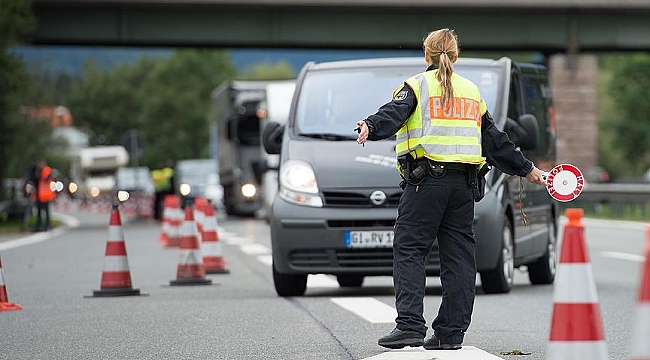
(497, 148)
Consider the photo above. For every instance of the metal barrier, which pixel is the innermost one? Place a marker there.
(630, 201)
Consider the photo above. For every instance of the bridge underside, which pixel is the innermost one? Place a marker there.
(544, 30)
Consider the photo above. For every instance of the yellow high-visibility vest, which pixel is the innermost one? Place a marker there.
(162, 179)
(445, 134)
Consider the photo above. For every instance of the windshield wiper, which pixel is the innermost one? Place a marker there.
(330, 136)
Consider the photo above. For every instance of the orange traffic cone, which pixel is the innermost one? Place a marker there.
(190, 269)
(641, 333)
(172, 221)
(576, 327)
(116, 277)
(214, 262)
(5, 304)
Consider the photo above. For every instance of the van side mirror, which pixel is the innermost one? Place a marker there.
(272, 137)
(524, 132)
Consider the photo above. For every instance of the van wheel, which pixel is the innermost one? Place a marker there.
(350, 280)
(289, 284)
(542, 271)
(500, 279)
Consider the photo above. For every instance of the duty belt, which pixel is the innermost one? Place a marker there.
(444, 165)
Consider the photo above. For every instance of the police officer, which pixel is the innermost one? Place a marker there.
(163, 180)
(444, 135)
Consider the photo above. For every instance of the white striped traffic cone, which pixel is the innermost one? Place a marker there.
(213, 259)
(200, 203)
(190, 269)
(641, 333)
(116, 277)
(173, 218)
(5, 304)
(576, 326)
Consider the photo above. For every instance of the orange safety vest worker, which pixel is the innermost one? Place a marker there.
(44, 190)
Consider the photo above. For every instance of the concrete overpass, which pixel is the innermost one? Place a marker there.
(544, 25)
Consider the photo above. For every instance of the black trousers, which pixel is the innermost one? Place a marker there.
(441, 208)
(42, 207)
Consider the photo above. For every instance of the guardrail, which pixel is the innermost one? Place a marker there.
(619, 200)
(629, 193)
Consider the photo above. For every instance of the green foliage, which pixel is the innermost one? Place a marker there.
(268, 71)
(624, 123)
(15, 21)
(178, 101)
(167, 99)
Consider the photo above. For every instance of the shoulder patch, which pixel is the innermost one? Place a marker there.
(400, 95)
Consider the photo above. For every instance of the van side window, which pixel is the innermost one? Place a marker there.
(537, 96)
(514, 98)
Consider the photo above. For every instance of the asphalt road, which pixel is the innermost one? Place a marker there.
(240, 316)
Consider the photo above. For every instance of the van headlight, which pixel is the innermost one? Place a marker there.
(298, 184)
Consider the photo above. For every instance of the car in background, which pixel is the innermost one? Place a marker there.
(134, 188)
(134, 180)
(214, 191)
(198, 177)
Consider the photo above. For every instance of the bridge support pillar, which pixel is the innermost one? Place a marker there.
(574, 85)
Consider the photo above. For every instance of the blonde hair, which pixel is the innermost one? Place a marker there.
(441, 49)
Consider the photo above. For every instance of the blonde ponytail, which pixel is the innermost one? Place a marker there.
(441, 49)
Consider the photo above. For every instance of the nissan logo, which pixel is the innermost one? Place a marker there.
(377, 197)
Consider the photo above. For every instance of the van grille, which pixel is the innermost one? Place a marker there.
(358, 199)
(352, 258)
(389, 223)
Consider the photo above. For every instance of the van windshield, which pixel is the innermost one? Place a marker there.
(331, 102)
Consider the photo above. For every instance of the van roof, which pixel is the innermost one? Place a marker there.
(400, 61)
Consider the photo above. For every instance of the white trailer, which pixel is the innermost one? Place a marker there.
(96, 170)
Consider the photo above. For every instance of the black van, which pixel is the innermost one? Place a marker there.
(337, 201)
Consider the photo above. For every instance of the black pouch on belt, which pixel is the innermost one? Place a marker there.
(478, 185)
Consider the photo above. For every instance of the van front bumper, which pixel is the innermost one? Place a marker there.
(310, 240)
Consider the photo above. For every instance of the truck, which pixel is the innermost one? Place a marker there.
(276, 106)
(238, 108)
(95, 170)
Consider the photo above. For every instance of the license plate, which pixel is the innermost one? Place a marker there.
(369, 239)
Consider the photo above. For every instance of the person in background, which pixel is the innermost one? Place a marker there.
(44, 195)
(445, 134)
(163, 179)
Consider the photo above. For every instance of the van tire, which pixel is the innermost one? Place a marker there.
(542, 271)
(350, 280)
(289, 284)
(500, 279)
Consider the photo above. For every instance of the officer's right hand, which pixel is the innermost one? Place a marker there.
(363, 132)
(536, 176)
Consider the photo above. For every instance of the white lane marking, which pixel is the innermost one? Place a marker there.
(321, 280)
(622, 256)
(254, 249)
(266, 259)
(235, 240)
(368, 308)
(466, 353)
(313, 281)
(31, 239)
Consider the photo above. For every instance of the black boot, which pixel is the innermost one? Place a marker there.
(446, 343)
(398, 339)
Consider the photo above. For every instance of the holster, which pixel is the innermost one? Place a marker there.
(413, 173)
(476, 180)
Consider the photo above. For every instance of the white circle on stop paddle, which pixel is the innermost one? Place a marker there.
(565, 182)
